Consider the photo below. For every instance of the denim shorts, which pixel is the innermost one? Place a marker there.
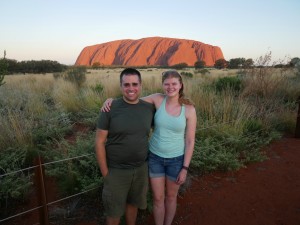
(165, 167)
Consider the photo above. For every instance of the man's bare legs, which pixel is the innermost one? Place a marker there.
(130, 215)
(112, 221)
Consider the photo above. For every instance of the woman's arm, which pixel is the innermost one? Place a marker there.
(155, 99)
(191, 123)
(106, 105)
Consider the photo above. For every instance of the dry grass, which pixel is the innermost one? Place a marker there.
(29, 96)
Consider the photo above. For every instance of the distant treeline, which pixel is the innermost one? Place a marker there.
(12, 66)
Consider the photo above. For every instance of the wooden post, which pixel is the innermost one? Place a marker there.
(41, 191)
(297, 131)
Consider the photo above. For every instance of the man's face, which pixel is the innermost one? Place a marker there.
(131, 88)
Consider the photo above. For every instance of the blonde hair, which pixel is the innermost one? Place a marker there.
(174, 74)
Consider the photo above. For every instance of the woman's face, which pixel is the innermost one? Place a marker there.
(171, 86)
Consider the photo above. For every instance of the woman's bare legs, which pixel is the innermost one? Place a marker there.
(158, 195)
(164, 205)
(170, 201)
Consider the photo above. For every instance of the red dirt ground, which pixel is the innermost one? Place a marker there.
(264, 193)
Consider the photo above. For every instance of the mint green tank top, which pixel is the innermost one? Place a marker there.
(167, 140)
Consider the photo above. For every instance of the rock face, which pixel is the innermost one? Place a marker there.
(154, 51)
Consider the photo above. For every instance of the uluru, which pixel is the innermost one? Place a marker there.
(151, 51)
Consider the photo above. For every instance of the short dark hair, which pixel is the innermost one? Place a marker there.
(130, 71)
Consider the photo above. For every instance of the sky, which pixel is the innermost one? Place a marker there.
(58, 30)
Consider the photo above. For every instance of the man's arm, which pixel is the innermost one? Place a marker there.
(101, 136)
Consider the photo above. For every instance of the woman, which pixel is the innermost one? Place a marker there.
(171, 145)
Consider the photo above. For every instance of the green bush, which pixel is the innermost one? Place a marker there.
(78, 174)
(252, 126)
(221, 64)
(187, 74)
(233, 83)
(98, 88)
(199, 64)
(15, 185)
(179, 66)
(3, 70)
(202, 71)
(76, 75)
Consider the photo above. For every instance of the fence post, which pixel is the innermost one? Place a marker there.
(297, 131)
(41, 191)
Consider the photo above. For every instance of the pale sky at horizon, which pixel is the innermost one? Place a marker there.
(59, 29)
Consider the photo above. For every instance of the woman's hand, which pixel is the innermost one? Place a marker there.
(106, 105)
(181, 177)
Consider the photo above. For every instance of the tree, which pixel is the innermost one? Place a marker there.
(248, 63)
(221, 64)
(294, 61)
(179, 66)
(96, 65)
(199, 64)
(236, 63)
(3, 69)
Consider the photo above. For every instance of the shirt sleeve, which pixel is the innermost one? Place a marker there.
(103, 121)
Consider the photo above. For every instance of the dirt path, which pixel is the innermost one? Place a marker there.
(265, 193)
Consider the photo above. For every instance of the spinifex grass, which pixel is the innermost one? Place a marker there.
(37, 112)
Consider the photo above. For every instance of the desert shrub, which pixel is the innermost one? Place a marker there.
(187, 74)
(78, 174)
(20, 129)
(252, 126)
(3, 70)
(98, 88)
(202, 71)
(231, 148)
(52, 126)
(199, 64)
(57, 75)
(14, 185)
(221, 64)
(233, 83)
(283, 121)
(214, 156)
(297, 66)
(1, 80)
(179, 66)
(76, 75)
(264, 80)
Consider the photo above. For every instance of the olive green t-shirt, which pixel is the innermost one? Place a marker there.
(128, 128)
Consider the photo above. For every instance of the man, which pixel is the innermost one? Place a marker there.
(122, 149)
